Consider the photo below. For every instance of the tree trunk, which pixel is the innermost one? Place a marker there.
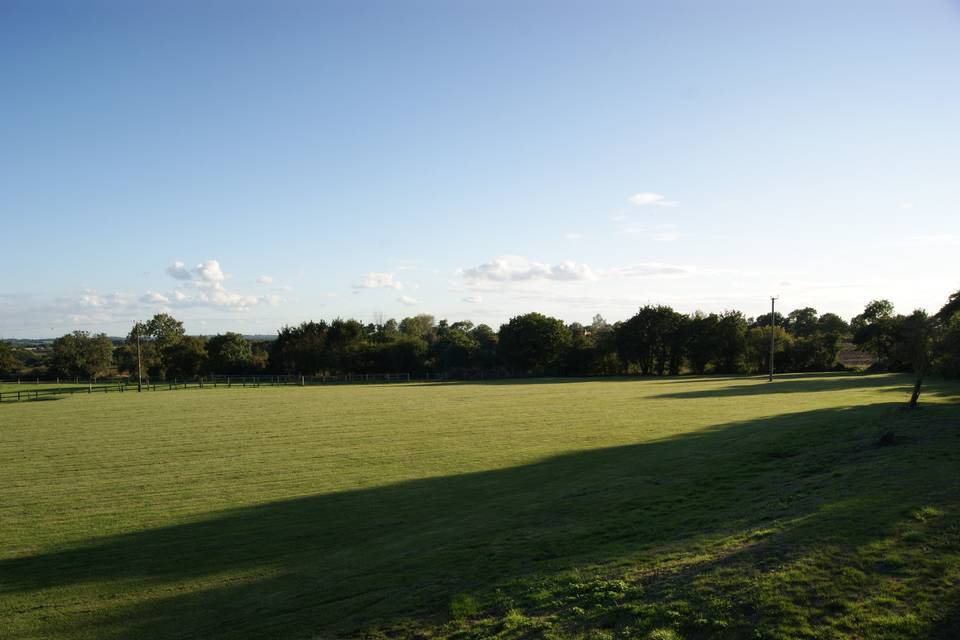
(915, 396)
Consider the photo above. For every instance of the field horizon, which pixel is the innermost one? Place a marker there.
(702, 507)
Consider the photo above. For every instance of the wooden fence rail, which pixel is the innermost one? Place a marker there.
(200, 383)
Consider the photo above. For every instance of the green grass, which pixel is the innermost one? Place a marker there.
(686, 508)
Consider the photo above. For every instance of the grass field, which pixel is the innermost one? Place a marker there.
(684, 508)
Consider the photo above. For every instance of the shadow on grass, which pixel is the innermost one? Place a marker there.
(803, 383)
(339, 563)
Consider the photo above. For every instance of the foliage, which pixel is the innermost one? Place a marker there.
(534, 343)
(9, 362)
(81, 355)
(229, 353)
(873, 329)
(657, 340)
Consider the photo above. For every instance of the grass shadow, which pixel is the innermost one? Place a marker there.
(801, 383)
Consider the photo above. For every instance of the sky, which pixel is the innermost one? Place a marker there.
(246, 165)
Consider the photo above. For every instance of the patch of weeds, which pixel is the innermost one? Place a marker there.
(926, 513)
(463, 606)
(516, 621)
(853, 576)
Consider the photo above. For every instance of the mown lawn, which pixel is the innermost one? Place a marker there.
(687, 508)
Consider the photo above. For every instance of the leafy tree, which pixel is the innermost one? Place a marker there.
(419, 326)
(702, 341)
(300, 349)
(345, 346)
(802, 323)
(229, 353)
(534, 343)
(731, 342)
(948, 347)
(758, 348)
(456, 348)
(487, 342)
(832, 323)
(873, 329)
(637, 339)
(9, 362)
(950, 308)
(912, 345)
(405, 354)
(80, 355)
(581, 354)
(764, 320)
(187, 357)
(159, 338)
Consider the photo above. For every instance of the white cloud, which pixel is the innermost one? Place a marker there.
(407, 300)
(375, 280)
(473, 299)
(152, 297)
(179, 271)
(206, 282)
(518, 268)
(906, 205)
(209, 271)
(572, 236)
(645, 198)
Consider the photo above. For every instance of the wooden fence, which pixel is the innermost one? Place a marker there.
(56, 388)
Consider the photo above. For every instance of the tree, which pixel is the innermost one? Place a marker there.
(159, 338)
(80, 355)
(229, 353)
(912, 345)
(702, 341)
(948, 347)
(187, 357)
(872, 329)
(345, 346)
(637, 339)
(758, 348)
(534, 343)
(802, 322)
(9, 362)
(731, 342)
(455, 347)
(487, 341)
(300, 349)
(950, 308)
(419, 326)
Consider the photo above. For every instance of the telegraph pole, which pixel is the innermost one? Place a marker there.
(139, 366)
(773, 323)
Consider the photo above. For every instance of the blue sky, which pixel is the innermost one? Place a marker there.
(244, 165)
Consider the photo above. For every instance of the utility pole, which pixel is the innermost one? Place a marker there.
(773, 323)
(139, 366)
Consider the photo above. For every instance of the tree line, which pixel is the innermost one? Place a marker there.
(656, 341)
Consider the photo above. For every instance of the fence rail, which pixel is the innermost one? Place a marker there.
(214, 381)
(37, 394)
